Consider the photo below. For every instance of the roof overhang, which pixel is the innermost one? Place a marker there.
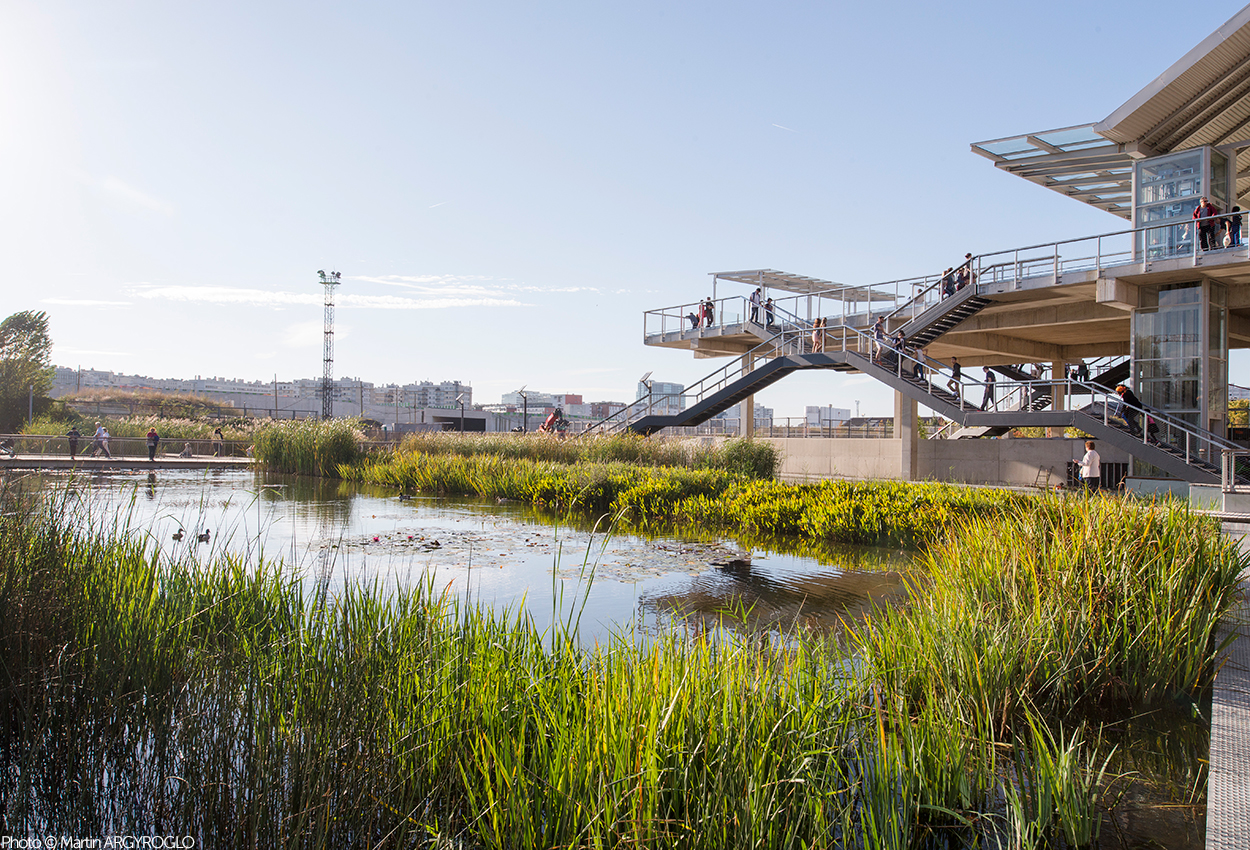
(1202, 99)
(802, 285)
(1073, 161)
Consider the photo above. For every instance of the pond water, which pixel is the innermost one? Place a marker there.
(509, 556)
(501, 554)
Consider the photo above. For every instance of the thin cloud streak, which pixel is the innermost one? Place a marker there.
(435, 284)
(84, 302)
(264, 298)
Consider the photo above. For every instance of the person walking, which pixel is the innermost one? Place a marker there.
(153, 440)
(1091, 468)
(1129, 405)
(217, 441)
(757, 298)
(990, 380)
(104, 442)
(918, 368)
(770, 315)
(74, 435)
(1206, 224)
(878, 338)
(955, 384)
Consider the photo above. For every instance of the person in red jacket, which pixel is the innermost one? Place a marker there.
(1206, 226)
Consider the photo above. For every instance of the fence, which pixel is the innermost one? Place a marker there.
(59, 445)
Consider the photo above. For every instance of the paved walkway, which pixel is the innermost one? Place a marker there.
(97, 464)
(1228, 786)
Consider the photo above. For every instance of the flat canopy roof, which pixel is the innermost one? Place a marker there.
(803, 285)
(1074, 161)
(1202, 99)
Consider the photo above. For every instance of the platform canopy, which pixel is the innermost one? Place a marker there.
(803, 285)
(1202, 99)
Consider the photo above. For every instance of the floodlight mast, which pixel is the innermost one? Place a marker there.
(329, 280)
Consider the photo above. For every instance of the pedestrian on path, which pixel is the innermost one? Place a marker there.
(153, 440)
(74, 435)
(1091, 468)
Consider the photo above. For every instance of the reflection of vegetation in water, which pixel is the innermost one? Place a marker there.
(219, 699)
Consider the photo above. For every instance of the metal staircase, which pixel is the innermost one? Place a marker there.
(936, 318)
(1175, 446)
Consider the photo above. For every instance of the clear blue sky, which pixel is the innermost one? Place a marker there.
(507, 187)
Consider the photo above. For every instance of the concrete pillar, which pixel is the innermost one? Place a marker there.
(747, 426)
(906, 432)
(1056, 393)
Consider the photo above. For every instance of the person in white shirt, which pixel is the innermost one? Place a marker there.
(1091, 467)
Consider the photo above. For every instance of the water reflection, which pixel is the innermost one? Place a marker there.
(498, 553)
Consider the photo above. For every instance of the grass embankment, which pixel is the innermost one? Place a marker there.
(141, 696)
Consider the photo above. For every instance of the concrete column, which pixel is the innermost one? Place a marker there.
(747, 425)
(906, 433)
(1056, 393)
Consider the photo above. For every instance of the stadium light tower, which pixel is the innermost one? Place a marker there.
(329, 280)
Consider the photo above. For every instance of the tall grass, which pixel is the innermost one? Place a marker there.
(144, 695)
(740, 456)
(866, 512)
(309, 446)
(1062, 605)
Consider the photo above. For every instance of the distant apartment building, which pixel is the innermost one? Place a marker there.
(356, 395)
(826, 416)
(763, 415)
(666, 398)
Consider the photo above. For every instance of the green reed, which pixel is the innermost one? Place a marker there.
(747, 457)
(142, 694)
(309, 446)
(1067, 604)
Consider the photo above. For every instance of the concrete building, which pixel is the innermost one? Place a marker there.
(1042, 334)
(825, 416)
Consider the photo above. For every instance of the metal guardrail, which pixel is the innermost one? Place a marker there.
(906, 298)
(1157, 427)
(1234, 463)
(57, 445)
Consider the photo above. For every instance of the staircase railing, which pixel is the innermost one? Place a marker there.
(1192, 443)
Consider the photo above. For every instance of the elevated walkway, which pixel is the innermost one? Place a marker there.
(1173, 446)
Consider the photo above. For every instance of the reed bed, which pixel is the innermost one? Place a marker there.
(146, 695)
(1064, 605)
(861, 512)
(742, 456)
(309, 446)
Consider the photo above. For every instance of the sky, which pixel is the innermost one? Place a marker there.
(507, 187)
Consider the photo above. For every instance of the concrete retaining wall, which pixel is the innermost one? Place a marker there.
(1013, 462)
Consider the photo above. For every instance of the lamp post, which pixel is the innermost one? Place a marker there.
(460, 399)
(525, 409)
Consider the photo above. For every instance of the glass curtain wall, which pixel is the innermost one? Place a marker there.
(1180, 352)
(1167, 350)
(1168, 187)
